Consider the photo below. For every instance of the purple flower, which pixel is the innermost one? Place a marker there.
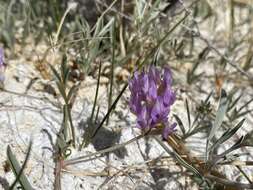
(151, 99)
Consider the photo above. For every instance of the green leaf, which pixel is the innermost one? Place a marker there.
(99, 25)
(56, 74)
(64, 69)
(87, 135)
(196, 130)
(72, 91)
(242, 114)
(63, 64)
(72, 129)
(18, 170)
(65, 76)
(245, 105)
(110, 109)
(156, 57)
(180, 123)
(100, 32)
(113, 47)
(61, 143)
(62, 91)
(96, 94)
(229, 133)
(233, 103)
(188, 112)
(248, 140)
(222, 109)
(179, 159)
(106, 28)
(236, 145)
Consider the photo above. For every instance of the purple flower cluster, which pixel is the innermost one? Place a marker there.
(2, 65)
(151, 99)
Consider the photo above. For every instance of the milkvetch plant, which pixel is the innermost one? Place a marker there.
(151, 99)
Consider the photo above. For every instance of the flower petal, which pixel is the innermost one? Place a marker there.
(152, 92)
(151, 97)
(167, 77)
(168, 97)
(169, 130)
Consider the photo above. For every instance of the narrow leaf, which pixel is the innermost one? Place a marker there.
(188, 112)
(223, 105)
(229, 133)
(180, 123)
(62, 91)
(179, 158)
(236, 145)
(18, 170)
(113, 44)
(72, 91)
(248, 140)
(55, 72)
(90, 129)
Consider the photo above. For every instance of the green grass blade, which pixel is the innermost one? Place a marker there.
(113, 37)
(96, 94)
(72, 91)
(64, 70)
(180, 123)
(18, 170)
(111, 108)
(61, 88)
(56, 74)
(71, 125)
(89, 131)
(188, 113)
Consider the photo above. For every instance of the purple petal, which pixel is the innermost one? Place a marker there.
(167, 77)
(155, 113)
(134, 104)
(154, 75)
(159, 113)
(145, 83)
(168, 97)
(152, 92)
(143, 120)
(169, 130)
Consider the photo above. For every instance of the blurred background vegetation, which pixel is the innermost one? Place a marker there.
(138, 27)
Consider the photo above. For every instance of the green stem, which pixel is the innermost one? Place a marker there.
(110, 149)
(112, 67)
